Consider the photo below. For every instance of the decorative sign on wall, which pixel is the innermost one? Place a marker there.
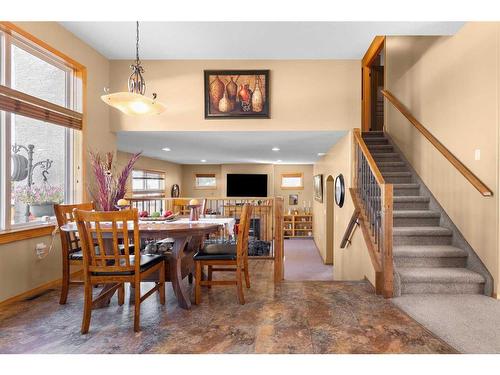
(236, 94)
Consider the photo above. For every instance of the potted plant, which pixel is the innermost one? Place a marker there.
(109, 185)
(41, 198)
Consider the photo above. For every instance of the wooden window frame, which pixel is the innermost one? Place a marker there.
(144, 193)
(292, 174)
(54, 114)
(212, 175)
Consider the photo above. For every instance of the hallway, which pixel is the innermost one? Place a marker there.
(303, 262)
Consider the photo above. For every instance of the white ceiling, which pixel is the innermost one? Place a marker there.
(246, 40)
(231, 147)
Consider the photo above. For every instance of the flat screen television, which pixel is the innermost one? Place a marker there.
(246, 185)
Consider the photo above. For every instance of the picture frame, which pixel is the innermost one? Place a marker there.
(236, 94)
(293, 199)
(318, 187)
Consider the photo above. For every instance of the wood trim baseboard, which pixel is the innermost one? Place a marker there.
(14, 235)
(39, 289)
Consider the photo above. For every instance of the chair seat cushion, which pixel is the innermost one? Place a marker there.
(219, 251)
(78, 255)
(147, 261)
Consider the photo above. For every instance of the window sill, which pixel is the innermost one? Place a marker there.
(13, 235)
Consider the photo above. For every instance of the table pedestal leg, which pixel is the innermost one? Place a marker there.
(176, 272)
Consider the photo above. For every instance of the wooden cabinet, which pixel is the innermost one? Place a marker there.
(298, 226)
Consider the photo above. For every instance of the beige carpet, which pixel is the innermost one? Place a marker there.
(470, 323)
(303, 262)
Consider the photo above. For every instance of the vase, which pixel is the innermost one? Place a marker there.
(245, 96)
(225, 104)
(257, 99)
(42, 209)
(232, 92)
(216, 92)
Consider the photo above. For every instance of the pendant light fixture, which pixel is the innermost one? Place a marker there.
(134, 102)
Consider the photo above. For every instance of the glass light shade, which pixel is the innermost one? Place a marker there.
(134, 104)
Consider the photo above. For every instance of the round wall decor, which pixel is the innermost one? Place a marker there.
(339, 190)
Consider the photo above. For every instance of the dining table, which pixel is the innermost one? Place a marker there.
(187, 238)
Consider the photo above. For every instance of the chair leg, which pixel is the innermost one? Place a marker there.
(121, 294)
(239, 285)
(247, 276)
(65, 280)
(197, 285)
(209, 276)
(137, 305)
(161, 290)
(87, 307)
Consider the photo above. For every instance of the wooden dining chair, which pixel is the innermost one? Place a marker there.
(217, 257)
(70, 245)
(111, 265)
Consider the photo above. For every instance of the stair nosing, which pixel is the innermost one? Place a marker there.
(428, 251)
(430, 275)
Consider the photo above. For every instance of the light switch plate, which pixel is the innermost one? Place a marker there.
(477, 154)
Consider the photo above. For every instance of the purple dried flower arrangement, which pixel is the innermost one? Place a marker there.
(110, 186)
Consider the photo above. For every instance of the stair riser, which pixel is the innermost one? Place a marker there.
(373, 134)
(380, 149)
(369, 142)
(415, 221)
(398, 179)
(389, 157)
(441, 288)
(430, 262)
(421, 240)
(411, 205)
(406, 192)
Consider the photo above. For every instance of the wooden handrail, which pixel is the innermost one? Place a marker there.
(346, 239)
(466, 172)
(371, 162)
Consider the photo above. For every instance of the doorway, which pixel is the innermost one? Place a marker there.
(372, 77)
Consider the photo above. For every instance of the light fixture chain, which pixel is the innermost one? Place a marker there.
(137, 43)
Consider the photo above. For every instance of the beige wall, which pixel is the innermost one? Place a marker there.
(20, 269)
(305, 194)
(353, 262)
(451, 85)
(173, 171)
(188, 173)
(315, 95)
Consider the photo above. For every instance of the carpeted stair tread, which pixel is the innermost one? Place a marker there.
(380, 148)
(385, 155)
(411, 198)
(376, 140)
(430, 251)
(421, 231)
(391, 164)
(396, 174)
(439, 275)
(375, 134)
(410, 185)
(415, 213)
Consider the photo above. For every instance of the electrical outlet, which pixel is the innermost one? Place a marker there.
(477, 154)
(41, 250)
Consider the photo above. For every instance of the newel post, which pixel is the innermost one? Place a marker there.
(279, 253)
(387, 261)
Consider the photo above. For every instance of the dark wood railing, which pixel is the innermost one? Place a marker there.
(466, 172)
(373, 197)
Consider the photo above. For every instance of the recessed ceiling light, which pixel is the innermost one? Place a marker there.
(275, 149)
(279, 161)
(203, 160)
(166, 149)
(321, 153)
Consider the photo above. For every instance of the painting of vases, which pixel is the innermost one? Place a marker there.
(236, 94)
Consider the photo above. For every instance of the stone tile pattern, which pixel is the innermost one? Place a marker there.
(295, 317)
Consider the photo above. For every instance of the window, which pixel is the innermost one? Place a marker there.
(292, 181)
(148, 183)
(205, 181)
(39, 96)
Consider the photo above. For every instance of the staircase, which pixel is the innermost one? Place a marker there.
(427, 257)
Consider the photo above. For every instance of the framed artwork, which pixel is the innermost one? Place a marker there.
(236, 94)
(318, 187)
(293, 199)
